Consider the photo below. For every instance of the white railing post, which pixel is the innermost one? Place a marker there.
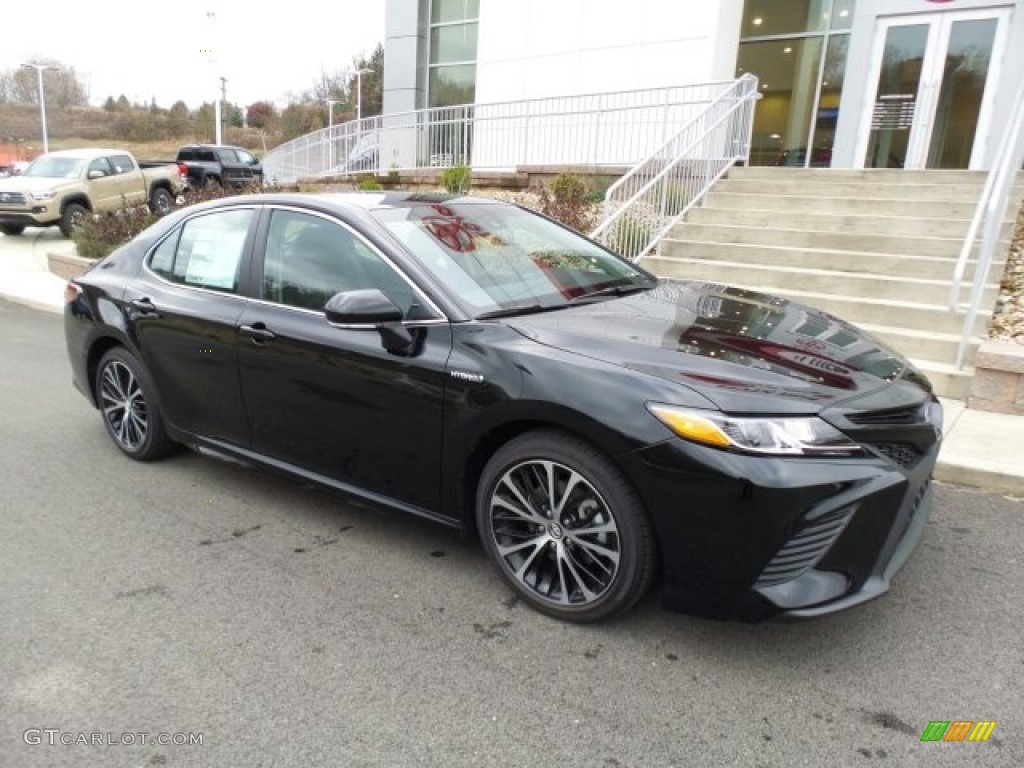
(988, 216)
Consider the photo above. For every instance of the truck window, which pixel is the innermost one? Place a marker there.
(101, 164)
(122, 163)
(227, 155)
(186, 155)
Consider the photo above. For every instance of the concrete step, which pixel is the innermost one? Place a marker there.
(888, 176)
(885, 264)
(946, 379)
(925, 194)
(823, 281)
(941, 247)
(826, 222)
(810, 203)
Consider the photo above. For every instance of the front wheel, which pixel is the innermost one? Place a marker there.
(72, 217)
(12, 229)
(130, 413)
(565, 527)
(161, 202)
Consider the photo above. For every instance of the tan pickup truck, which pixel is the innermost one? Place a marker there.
(59, 188)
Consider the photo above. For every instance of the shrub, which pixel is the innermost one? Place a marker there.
(369, 185)
(630, 236)
(566, 201)
(98, 236)
(676, 198)
(457, 179)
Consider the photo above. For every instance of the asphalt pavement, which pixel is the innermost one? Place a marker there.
(286, 627)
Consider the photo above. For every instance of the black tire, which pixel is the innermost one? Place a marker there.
(211, 184)
(127, 402)
(72, 216)
(597, 559)
(12, 229)
(161, 202)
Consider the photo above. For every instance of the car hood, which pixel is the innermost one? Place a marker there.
(744, 351)
(30, 184)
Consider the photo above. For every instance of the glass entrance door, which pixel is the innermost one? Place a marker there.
(930, 99)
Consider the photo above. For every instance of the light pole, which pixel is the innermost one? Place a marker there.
(42, 98)
(330, 133)
(359, 91)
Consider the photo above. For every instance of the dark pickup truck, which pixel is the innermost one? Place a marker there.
(219, 165)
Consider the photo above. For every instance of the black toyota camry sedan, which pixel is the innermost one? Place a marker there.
(599, 429)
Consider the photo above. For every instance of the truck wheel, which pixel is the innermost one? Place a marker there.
(72, 217)
(161, 202)
(12, 229)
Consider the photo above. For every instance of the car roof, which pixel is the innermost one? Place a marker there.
(210, 146)
(86, 153)
(366, 201)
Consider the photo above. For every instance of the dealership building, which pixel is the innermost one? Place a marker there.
(846, 83)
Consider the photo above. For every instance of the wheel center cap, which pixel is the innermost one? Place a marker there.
(555, 531)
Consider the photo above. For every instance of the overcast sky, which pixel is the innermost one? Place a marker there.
(157, 48)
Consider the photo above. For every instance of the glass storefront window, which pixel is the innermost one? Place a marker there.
(762, 18)
(829, 94)
(453, 43)
(787, 72)
(842, 14)
(442, 11)
(452, 85)
(797, 49)
(453, 50)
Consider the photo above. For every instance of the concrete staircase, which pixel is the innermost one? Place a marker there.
(874, 247)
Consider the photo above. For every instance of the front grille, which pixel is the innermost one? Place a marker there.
(12, 198)
(904, 454)
(805, 548)
(917, 414)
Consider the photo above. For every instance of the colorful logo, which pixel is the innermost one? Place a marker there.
(958, 730)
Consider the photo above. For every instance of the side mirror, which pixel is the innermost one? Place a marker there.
(370, 308)
(96, 174)
(365, 307)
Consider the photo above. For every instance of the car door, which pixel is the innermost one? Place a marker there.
(102, 190)
(183, 312)
(131, 185)
(332, 400)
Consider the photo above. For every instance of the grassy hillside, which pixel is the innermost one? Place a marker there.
(73, 127)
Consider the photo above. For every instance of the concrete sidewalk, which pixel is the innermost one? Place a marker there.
(981, 449)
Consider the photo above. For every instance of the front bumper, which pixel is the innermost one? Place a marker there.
(752, 538)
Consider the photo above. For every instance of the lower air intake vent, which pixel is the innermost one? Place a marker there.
(803, 551)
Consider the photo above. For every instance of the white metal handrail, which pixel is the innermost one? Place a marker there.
(606, 129)
(645, 203)
(988, 217)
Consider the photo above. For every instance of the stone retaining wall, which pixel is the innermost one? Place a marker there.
(998, 383)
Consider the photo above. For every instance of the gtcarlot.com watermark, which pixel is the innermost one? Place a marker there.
(55, 736)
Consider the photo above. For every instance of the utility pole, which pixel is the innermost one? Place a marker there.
(223, 112)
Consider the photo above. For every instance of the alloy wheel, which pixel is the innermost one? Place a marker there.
(124, 406)
(554, 533)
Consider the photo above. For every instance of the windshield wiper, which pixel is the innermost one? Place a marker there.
(614, 290)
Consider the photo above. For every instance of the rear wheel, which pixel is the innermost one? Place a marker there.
(12, 229)
(565, 527)
(126, 398)
(161, 202)
(72, 217)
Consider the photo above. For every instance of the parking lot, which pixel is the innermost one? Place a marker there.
(292, 628)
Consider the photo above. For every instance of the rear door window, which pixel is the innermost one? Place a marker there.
(205, 252)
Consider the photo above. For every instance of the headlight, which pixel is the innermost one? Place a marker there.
(43, 196)
(799, 436)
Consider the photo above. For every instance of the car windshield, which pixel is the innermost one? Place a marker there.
(55, 168)
(498, 259)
